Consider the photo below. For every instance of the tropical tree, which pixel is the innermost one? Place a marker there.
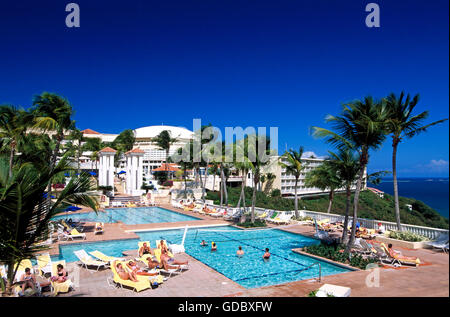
(26, 212)
(53, 113)
(402, 124)
(243, 165)
(269, 177)
(94, 145)
(76, 139)
(346, 165)
(257, 162)
(324, 177)
(164, 141)
(361, 126)
(292, 162)
(13, 126)
(123, 143)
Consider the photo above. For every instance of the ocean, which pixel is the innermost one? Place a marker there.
(432, 191)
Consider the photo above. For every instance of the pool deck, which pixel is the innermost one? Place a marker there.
(430, 279)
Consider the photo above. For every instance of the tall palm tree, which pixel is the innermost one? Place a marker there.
(13, 127)
(402, 124)
(53, 113)
(243, 166)
(346, 164)
(362, 126)
(294, 166)
(76, 136)
(164, 141)
(257, 163)
(124, 142)
(270, 177)
(324, 177)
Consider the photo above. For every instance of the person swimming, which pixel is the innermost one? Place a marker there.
(266, 255)
(203, 243)
(213, 246)
(240, 252)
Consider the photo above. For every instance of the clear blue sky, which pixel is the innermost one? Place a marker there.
(232, 63)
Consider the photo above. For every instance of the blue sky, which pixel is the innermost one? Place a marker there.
(232, 63)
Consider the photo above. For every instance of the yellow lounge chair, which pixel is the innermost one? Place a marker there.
(44, 263)
(60, 287)
(400, 259)
(142, 283)
(103, 257)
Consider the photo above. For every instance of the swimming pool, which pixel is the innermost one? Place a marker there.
(130, 216)
(250, 271)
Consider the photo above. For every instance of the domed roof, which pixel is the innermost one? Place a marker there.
(154, 130)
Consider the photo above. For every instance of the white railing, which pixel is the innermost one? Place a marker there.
(431, 233)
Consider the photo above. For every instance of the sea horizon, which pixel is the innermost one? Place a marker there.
(432, 190)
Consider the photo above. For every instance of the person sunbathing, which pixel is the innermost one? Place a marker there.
(145, 249)
(152, 263)
(163, 246)
(399, 256)
(124, 275)
(134, 268)
(28, 280)
(61, 274)
(170, 262)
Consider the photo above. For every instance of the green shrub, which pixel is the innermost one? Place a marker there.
(337, 253)
(406, 236)
(249, 224)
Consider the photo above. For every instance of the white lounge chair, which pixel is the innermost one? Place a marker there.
(87, 260)
(440, 243)
(66, 236)
(44, 263)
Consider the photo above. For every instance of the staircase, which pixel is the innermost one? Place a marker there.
(124, 199)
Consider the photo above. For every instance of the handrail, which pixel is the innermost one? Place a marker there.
(320, 269)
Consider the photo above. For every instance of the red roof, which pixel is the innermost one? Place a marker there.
(135, 150)
(166, 168)
(108, 149)
(89, 131)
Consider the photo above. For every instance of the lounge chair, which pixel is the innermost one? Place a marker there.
(44, 263)
(440, 243)
(70, 236)
(283, 219)
(60, 287)
(99, 227)
(262, 216)
(219, 213)
(274, 215)
(143, 282)
(105, 258)
(399, 259)
(87, 260)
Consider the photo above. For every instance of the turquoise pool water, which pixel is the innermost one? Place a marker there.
(250, 271)
(130, 216)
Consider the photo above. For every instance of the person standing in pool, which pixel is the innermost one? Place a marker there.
(266, 255)
(240, 252)
(203, 243)
(213, 246)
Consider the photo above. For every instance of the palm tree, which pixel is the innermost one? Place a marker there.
(53, 113)
(324, 177)
(257, 164)
(164, 141)
(94, 145)
(26, 214)
(13, 127)
(270, 177)
(346, 164)
(294, 166)
(77, 135)
(403, 125)
(243, 166)
(361, 126)
(124, 142)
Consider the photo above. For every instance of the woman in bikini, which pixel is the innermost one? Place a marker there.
(134, 268)
(124, 275)
(170, 262)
